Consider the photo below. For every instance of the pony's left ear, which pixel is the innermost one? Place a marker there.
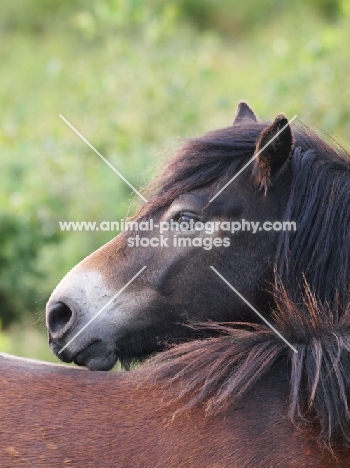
(244, 113)
(273, 148)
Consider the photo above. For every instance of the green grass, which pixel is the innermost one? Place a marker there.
(135, 79)
(26, 341)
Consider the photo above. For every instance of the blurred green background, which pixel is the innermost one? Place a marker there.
(135, 76)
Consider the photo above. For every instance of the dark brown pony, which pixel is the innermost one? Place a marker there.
(243, 399)
(178, 286)
(273, 406)
(298, 177)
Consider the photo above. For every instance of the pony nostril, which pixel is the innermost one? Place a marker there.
(58, 318)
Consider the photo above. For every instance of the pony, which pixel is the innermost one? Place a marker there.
(178, 287)
(239, 396)
(294, 176)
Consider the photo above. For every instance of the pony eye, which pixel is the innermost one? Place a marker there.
(184, 220)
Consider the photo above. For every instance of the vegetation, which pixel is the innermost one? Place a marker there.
(133, 76)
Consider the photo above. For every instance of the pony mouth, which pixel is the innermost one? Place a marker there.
(96, 357)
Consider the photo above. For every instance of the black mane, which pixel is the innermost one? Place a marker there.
(213, 157)
(217, 373)
(319, 250)
(312, 287)
(217, 156)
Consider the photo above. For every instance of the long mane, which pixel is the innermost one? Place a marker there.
(209, 159)
(311, 292)
(319, 250)
(217, 373)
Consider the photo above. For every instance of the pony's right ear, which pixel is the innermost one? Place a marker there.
(244, 113)
(272, 151)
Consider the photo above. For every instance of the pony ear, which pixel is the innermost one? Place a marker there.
(272, 155)
(244, 112)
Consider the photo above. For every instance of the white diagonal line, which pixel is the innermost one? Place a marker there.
(251, 160)
(103, 308)
(254, 309)
(104, 159)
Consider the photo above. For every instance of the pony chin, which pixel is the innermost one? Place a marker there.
(96, 357)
